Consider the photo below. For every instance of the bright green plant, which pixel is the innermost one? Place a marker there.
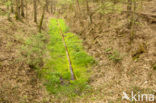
(58, 74)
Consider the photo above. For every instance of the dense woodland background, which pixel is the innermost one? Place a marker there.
(76, 51)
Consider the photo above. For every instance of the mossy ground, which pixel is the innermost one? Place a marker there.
(56, 70)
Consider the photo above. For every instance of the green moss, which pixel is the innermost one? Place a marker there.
(57, 74)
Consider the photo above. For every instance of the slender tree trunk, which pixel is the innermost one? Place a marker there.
(47, 5)
(133, 19)
(51, 6)
(26, 10)
(68, 55)
(9, 16)
(35, 11)
(42, 18)
(87, 6)
(78, 5)
(129, 7)
(17, 13)
(9, 11)
(12, 7)
(22, 8)
(129, 10)
(7, 6)
(88, 12)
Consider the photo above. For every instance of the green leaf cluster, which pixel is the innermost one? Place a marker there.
(33, 50)
(113, 55)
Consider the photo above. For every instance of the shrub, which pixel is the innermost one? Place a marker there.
(33, 50)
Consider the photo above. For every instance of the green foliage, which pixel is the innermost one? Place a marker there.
(51, 57)
(154, 66)
(8, 3)
(33, 50)
(57, 75)
(63, 2)
(113, 55)
(109, 7)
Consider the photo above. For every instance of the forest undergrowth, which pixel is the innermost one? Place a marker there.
(56, 72)
(94, 52)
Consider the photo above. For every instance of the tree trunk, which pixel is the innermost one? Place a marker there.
(22, 8)
(88, 12)
(9, 11)
(42, 18)
(12, 7)
(26, 9)
(133, 19)
(78, 5)
(47, 5)
(17, 13)
(129, 7)
(35, 11)
(51, 6)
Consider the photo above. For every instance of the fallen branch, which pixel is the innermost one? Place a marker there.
(73, 77)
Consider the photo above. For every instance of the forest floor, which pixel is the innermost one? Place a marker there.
(18, 82)
(134, 71)
(130, 67)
